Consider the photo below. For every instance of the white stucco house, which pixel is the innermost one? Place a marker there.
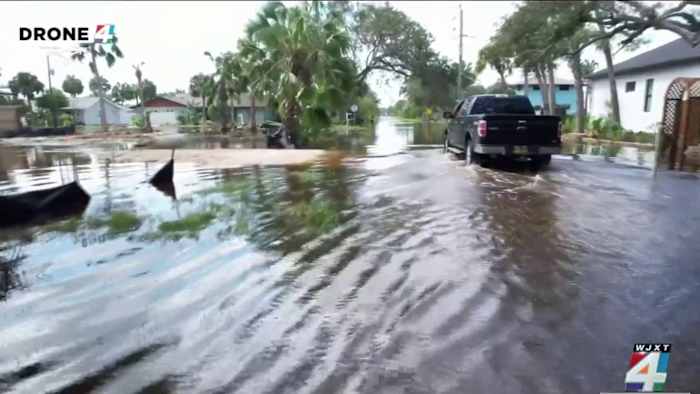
(86, 110)
(642, 82)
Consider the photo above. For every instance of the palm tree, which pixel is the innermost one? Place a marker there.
(228, 83)
(27, 85)
(139, 81)
(95, 51)
(299, 56)
(200, 86)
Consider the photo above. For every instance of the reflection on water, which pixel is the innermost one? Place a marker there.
(397, 273)
(632, 155)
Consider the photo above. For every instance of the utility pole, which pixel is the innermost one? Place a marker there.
(48, 66)
(54, 117)
(459, 70)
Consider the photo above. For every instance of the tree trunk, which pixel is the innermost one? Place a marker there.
(253, 125)
(291, 122)
(551, 87)
(146, 117)
(100, 90)
(614, 102)
(203, 121)
(575, 65)
(543, 88)
(526, 83)
(225, 113)
(502, 75)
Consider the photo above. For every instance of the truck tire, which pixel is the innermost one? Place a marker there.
(540, 161)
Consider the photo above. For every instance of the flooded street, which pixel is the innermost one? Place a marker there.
(397, 271)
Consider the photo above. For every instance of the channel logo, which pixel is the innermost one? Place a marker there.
(104, 34)
(648, 367)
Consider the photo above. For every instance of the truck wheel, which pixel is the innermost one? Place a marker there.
(540, 161)
(470, 157)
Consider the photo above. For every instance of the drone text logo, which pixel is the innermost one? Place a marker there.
(103, 33)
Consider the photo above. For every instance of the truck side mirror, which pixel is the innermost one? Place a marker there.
(447, 115)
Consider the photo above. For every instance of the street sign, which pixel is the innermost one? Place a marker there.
(354, 108)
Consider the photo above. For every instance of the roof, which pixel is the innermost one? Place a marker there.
(190, 101)
(183, 99)
(675, 52)
(82, 103)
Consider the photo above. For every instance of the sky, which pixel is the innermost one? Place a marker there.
(171, 37)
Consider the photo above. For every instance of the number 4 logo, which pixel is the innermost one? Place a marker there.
(647, 371)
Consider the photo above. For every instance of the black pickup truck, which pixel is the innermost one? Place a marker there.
(486, 126)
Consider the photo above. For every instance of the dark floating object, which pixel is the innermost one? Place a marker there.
(167, 188)
(165, 174)
(163, 179)
(276, 135)
(43, 205)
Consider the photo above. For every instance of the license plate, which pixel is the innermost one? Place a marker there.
(519, 150)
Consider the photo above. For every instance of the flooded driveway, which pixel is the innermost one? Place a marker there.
(404, 271)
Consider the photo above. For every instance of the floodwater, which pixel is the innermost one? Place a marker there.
(403, 271)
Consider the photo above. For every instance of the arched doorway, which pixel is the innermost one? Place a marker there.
(680, 125)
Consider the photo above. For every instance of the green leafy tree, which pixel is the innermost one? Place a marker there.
(109, 51)
(122, 92)
(72, 85)
(52, 101)
(150, 91)
(498, 56)
(145, 121)
(99, 84)
(305, 49)
(385, 39)
(228, 83)
(27, 85)
(201, 86)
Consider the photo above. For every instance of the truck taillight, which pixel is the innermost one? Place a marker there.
(482, 128)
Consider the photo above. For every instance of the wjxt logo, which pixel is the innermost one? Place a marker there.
(101, 34)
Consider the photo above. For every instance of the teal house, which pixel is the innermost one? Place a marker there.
(565, 94)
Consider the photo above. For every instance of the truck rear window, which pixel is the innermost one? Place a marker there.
(502, 105)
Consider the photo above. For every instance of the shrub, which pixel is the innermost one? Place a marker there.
(65, 120)
(137, 121)
(189, 117)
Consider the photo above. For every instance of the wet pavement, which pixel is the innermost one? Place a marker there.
(399, 271)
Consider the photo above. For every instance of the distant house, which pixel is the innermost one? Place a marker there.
(242, 109)
(642, 82)
(164, 110)
(86, 110)
(564, 93)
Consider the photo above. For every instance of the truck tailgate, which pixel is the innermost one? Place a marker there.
(521, 130)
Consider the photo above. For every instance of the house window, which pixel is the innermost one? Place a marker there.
(647, 95)
(629, 86)
(563, 87)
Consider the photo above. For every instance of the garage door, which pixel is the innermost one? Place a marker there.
(163, 118)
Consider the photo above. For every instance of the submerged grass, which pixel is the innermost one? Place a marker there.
(318, 216)
(191, 223)
(118, 222)
(66, 226)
